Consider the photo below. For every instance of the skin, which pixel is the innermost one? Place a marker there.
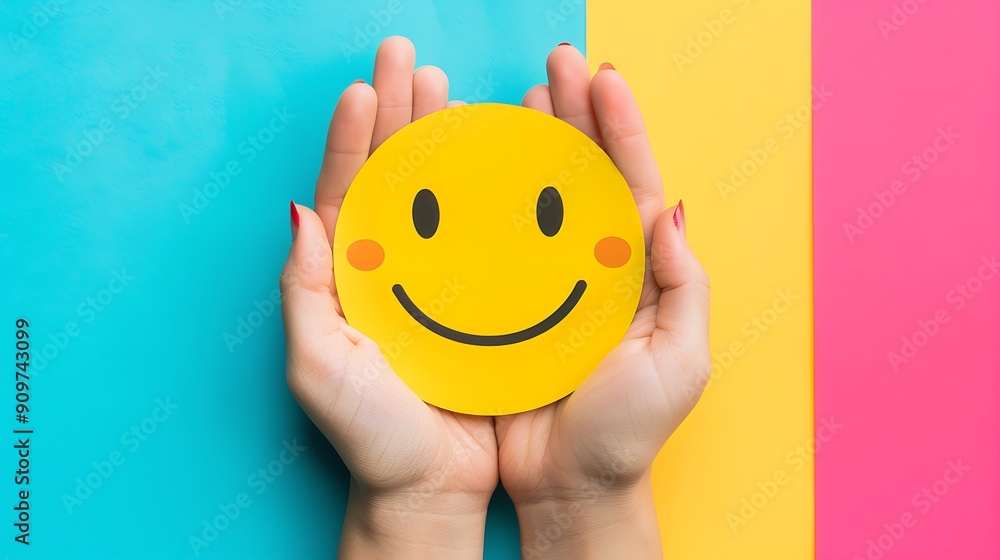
(578, 470)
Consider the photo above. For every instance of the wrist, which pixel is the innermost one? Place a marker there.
(413, 524)
(592, 520)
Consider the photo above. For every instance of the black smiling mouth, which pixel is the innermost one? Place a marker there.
(491, 339)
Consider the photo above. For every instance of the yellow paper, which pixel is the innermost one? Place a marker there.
(494, 253)
(725, 89)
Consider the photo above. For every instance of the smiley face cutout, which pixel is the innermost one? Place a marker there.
(495, 255)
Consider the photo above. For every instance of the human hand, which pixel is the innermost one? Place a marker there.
(421, 477)
(578, 470)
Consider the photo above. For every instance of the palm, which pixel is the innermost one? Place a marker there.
(611, 428)
(388, 437)
(404, 442)
(586, 436)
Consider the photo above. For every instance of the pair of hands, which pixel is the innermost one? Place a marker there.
(577, 470)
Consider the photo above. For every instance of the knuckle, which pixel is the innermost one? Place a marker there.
(295, 384)
(701, 370)
(288, 279)
(701, 275)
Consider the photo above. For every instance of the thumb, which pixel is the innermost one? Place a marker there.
(308, 306)
(338, 375)
(682, 311)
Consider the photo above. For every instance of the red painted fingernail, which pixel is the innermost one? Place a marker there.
(295, 217)
(679, 216)
(565, 45)
(605, 66)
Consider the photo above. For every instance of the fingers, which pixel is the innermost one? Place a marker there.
(626, 141)
(683, 307)
(569, 82)
(308, 307)
(347, 143)
(539, 98)
(393, 82)
(455, 103)
(430, 91)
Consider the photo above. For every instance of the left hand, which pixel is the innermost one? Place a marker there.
(421, 477)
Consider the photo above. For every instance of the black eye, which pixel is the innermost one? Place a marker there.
(426, 213)
(549, 211)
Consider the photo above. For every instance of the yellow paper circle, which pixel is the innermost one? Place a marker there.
(529, 275)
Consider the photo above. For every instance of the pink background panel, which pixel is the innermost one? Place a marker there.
(922, 84)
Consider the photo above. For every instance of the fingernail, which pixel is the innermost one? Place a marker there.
(295, 218)
(565, 45)
(360, 82)
(605, 66)
(679, 216)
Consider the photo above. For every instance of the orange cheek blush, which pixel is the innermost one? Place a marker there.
(365, 255)
(612, 252)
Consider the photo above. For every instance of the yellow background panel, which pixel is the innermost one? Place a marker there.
(725, 85)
